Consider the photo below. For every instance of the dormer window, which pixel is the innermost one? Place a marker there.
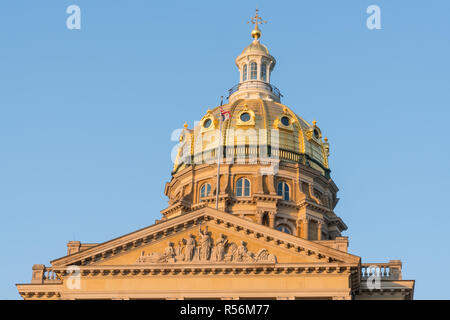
(244, 73)
(245, 117)
(207, 123)
(285, 121)
(263, 71)
(316, 134)
(253, 70)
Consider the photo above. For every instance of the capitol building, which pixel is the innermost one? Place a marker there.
(250, 215)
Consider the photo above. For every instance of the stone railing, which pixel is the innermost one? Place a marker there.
(386, 271)
(256, 84)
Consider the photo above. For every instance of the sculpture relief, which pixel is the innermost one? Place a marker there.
(219, 250)
(190, 248)
(204, 249)
(205, 244)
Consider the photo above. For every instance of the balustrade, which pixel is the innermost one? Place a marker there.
(386, 271)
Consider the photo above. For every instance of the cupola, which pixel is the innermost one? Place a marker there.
(255, 66)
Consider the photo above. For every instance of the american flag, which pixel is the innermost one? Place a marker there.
(225, 114)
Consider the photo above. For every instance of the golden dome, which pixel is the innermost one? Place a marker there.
(259, 126)
(298, 141)
(255, 47)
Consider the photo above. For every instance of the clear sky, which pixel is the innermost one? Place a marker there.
(86, 117)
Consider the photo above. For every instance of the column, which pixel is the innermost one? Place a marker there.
(260, 216)
(258, 69)
(260, 188)
(306, 227)
(272, 219)
(269, 66)
(299, 229)
(319, 230)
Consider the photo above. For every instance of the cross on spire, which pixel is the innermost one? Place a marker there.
(256, 20)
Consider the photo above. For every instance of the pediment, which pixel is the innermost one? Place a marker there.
(206, 236)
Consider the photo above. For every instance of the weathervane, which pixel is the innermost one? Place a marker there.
(256, 20)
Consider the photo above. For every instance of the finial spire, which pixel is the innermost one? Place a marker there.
(256, 20)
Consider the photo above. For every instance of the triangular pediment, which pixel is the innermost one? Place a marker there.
(206, 236)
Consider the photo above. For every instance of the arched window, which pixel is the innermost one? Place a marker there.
(205, 190)
(283, 190)
(243, 188)
(284, 228)
(263, 71)
(253, 70)
(244, 73)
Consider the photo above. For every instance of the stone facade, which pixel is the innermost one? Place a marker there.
(260, 225)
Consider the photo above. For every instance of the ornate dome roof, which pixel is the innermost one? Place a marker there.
(255, 47)
(254, 123)
(259, 125)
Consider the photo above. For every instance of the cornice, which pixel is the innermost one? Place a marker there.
(388, 287)
(182, 204)
(266, 197)
(313, 206)
(213, 269)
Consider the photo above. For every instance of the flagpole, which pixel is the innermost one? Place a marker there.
(219, 151)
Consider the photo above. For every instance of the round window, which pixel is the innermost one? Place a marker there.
(285, 121)
(207, 123)
(245, 117)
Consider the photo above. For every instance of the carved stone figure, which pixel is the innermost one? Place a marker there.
(232, 253)
(169, 254)
(219, 251)
(154, 257)
(243, 254)
(205, 244)
(179, 250)
(264, 256)
(190, 248)
(141, 258)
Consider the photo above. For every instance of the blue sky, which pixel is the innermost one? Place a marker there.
(86, 117)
